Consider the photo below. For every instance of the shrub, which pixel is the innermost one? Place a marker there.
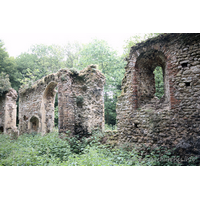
(77, 145)
(92, 157)
(36, 150)
(30, 149)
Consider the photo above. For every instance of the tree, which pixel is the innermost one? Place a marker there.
(133, 40)
(42, 60)
(72, 54)
(48, 59)
(7, 65)
(4, 83)
(109, 63)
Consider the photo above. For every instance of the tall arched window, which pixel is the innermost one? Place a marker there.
(49, 101)
(151, 77)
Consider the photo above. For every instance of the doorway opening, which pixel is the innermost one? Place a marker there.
(1, 129)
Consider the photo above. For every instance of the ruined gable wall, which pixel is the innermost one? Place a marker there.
(173, 121)
(33, 113)
(66, 114)
(89, 113)
(80, 102)
(8, 110)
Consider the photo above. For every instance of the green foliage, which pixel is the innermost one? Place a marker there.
(77, 144)
(7, 65)
(110, 109)
(90, 152)
(162, 156)
(4, 83)
(110, 127)
(98, 52)
(92, 156)
(33, 150)
(56, 116)
(132, 41)
(159, 84)
(56, 111)
(79, 101)
(36, 150)
(72, 54)
(42, 60)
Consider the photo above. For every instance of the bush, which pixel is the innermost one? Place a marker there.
(36, 150)
(33, 150)
(77, 145)
(92, 156)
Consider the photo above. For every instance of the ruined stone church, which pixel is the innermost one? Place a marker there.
(143, 119)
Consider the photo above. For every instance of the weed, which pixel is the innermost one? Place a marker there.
(48, 150)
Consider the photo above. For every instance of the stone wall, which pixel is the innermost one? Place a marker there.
(2, 113)
(174, 120)
(8, 110)
(80, 102)
(36, 106)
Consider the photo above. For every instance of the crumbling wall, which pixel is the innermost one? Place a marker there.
(36, 106)
(174, 120)
(2, 113)
(8, 109)
(80, 102)
(89, 95)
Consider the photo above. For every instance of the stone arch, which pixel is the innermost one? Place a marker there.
(1, 129)
(34, 124)
(48, 107)
(145, 65)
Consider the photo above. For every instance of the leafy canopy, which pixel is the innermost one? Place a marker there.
(7, 66)
(4, 83)
(42, 60)
(111, 65)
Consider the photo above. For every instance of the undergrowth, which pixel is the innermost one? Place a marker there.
(50, 150)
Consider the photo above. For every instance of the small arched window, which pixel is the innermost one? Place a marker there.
(34, 122)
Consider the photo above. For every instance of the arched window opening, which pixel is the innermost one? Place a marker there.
(56, 111)
(152, 80)
(1, 129)
(34, 121)
(49, 106)
(159, 83)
